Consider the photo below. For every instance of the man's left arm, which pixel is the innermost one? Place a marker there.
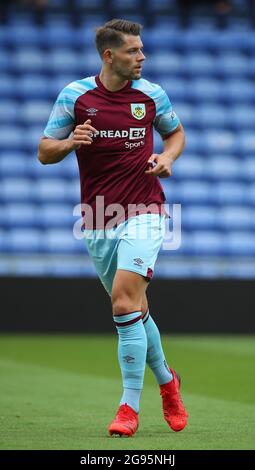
(173, 147)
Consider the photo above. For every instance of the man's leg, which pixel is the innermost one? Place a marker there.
(169, 382)
(155, 356)
(127, 293)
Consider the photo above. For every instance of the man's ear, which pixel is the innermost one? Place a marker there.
(107, 56)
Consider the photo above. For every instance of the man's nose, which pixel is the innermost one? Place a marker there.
(141, 56)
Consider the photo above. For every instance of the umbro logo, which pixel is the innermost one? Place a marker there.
(128, 359)
(138, 261)
(91, 111)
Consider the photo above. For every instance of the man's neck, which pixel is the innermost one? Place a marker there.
(112, 82)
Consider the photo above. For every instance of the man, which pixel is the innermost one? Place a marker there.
(112, 116)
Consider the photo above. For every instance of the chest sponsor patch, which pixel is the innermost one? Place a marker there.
(138, 110)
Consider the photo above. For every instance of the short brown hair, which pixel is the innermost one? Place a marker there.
(111, 33)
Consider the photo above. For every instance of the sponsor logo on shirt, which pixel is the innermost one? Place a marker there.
(138, 110)
(132, 134)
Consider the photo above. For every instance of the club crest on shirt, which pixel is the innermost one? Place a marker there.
(138, 110)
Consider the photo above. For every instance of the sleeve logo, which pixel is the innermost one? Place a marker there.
(138, 110)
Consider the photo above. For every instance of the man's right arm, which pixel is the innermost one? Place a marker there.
(53, 151)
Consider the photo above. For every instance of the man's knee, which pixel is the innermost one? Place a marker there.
(127, 292)
(123, 303)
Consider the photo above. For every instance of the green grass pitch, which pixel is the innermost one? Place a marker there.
(60, 392)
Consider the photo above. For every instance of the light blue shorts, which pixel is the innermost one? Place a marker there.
(133, 246)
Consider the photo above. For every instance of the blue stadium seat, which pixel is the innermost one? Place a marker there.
(236, 217)
(229, 193)
(7, 85)
(211, 116)
(199, 217)
(193, 192)
(59, 33)
(20, 36)
(241, 243)
(21, 215)
(161, 5)
(250, 194)
(63, 60)
(205, 90)
(90, 63)
(166, 62)
(247, 169)
(13, 164)
(62, 241)
(241, 270)
(34, 112)
(90, 3)
(241, 117)
(11, 137)
(238, 91)
(185, 113)
(233, 65)
(206, 242)
(16, 189)
(24, 240)
(8, 112)
(5, 62)
(124, 5)
(174, 87)
(36, 170)
(3, 265)
(235, 39)
(215, 141)
(167, 39)
(193, 141)
(245, 143)
(73, 191)
(33, 86)
(34, 133)
(189, 166)
(30, 59)
(56, 215)
(199, 23)
(69, 167)
(198, 64)
(55, 190)
(224, 168)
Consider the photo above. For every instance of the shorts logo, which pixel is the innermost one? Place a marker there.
(138, 110)
(138, 262)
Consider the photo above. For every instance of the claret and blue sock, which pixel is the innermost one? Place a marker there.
(155, 356)
(132, 350)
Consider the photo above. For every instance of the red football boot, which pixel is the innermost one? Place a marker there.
(125, 422)
(173, 408)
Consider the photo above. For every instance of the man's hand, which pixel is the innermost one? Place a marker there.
(83, 134)
(162, 165)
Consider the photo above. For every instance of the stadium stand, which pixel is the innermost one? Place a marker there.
(208, 73)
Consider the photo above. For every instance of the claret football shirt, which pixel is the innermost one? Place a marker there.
(112, 169)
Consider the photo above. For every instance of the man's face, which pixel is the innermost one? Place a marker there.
(127, 60)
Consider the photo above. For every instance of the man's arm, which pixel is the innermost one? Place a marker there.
(53, 151)
(173, 147)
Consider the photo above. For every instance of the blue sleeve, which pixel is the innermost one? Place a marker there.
(166, 120)
(61, 120)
